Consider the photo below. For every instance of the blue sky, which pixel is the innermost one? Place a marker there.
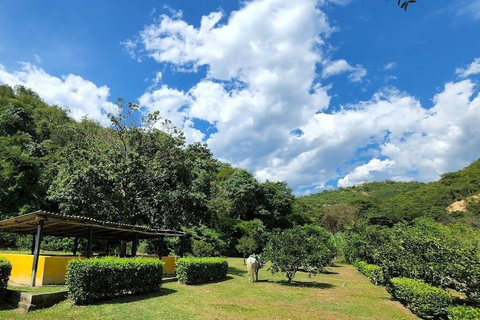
(319, 93)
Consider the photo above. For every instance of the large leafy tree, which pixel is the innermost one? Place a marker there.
(132, 172)
(276, 201)
(29, 132)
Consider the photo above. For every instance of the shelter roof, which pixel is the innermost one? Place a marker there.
(70, 226)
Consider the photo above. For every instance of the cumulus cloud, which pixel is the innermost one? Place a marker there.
(373, 170)
(472, 69)
(331, 68)
(82, 97)
(264, 95)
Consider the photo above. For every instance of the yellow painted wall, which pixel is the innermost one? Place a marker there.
(50, 270)
(55, 268)
(21, 267)
(169, 266)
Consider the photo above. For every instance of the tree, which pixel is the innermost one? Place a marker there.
(242, 189)
(308, 247)
(132, 173)
(253, 239)
(276, 201)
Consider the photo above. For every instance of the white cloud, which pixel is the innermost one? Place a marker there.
(38, 60)
(80, 96)
(262, 88)
(390, 65)
(331, 68)
(469, 8)
(472, 69)
(370, 171)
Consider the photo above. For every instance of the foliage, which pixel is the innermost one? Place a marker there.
(275, 204)
(308, 247)
(387, 203)
(199, 270)
(203, 242)
(5, 270)
(421, 251)
(463, 313)
(423, 299)
(96, 279)
(254, 237)
(373, 272)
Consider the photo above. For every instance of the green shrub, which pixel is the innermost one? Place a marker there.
(309, 247)
(463, 313)
(373, 272)
(5, 270)
(96, 279)
(424, 300)
(198, 270)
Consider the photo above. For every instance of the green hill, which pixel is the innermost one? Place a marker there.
(389, 202)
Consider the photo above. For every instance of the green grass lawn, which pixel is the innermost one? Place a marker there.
(41, 289)
(342, 293)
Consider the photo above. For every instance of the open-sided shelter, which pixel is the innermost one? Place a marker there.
(40, 223)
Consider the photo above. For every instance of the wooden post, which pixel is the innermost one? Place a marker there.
(182, 249)
(75, 246)
(134, 244)
(36, 253)
(33, 244)
(108, 247)
(90, 238)
(160, 249)
(123, 248)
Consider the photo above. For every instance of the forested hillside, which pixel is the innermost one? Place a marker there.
(387, 203)
(137, 170)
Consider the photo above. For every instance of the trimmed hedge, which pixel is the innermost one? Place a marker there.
(5, 270)
(372, 271)
(424, 300)
(463, 313)
(198, 270)
(96, 279)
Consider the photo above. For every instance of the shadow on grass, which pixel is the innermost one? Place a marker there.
(236, 271)
(300, 284)
(133, 298)
(321, 272)
(335, 266)
(328, 272)
(5, 306)
(210, 282)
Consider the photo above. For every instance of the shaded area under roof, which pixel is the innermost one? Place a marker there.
(74, 226)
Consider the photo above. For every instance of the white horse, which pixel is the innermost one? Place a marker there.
(252, 268)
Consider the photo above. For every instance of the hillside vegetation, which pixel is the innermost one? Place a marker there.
(387, 203)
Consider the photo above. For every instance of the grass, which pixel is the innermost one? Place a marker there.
(41, 289)
(342, 293)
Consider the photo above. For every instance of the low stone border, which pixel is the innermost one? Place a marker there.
(170, 279)
(31, 301)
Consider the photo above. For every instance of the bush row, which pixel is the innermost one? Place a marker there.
(5, 270)
(96, 279)
(372, 271)
(424, 300)
(421, 251)
(198, 270)
(463, 313)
